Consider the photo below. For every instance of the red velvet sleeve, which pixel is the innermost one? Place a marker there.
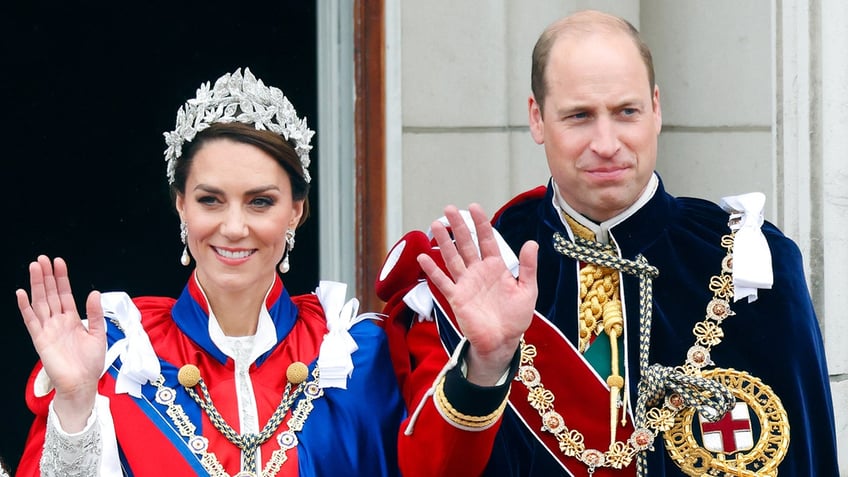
(29, 464)
(435, 446)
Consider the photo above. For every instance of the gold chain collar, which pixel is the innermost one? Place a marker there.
(200, 445)
(659, 418)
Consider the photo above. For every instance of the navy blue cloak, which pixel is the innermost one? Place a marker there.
(776, 338)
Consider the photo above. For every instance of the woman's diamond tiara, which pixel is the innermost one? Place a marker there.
(243, 99)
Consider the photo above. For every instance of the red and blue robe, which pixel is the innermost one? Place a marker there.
(349, 432)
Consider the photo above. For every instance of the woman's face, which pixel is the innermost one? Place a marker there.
(237, 206)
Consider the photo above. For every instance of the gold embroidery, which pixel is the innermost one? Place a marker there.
(465, 420)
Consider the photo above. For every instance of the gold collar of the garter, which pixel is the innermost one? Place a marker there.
(668, 397)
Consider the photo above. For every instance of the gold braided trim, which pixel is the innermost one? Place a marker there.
(599, 302)
(600, 312)
(465, 420)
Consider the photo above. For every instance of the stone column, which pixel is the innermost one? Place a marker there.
(811, 120)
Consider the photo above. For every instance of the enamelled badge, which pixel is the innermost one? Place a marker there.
(752, 438)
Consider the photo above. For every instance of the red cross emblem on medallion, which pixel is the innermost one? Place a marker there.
(733, 433)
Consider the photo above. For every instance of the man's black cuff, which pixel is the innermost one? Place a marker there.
(471, 399)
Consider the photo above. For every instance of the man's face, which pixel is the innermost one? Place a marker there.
(600, 122)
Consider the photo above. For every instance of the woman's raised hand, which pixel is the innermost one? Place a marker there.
(72, 355)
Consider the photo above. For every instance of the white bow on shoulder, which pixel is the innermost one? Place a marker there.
(752, 267)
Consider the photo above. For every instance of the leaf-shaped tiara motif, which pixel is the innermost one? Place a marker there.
(244, 99)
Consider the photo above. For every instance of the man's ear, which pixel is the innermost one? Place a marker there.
(537, 125)
(657, 110)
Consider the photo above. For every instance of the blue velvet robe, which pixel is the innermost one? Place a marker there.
(776, 338)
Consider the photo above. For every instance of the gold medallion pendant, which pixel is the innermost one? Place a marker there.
(749, 441)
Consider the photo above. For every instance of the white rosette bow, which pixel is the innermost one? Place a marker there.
(752, 267)
(139, 363)
(334, 357)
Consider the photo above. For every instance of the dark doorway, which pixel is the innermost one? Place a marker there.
(88, 91)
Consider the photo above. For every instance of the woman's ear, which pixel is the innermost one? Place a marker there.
(297, 209)
(179, 204)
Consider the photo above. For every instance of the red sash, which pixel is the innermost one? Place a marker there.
(581, 395)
